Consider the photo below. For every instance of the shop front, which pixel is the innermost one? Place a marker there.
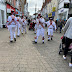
(9, 9)
(2, 15)
(63, 13)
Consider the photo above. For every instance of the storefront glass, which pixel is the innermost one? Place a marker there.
(63, 15)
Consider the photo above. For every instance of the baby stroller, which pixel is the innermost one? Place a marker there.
(62, 46)
(30, 27)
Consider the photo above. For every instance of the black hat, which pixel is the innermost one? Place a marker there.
(12, 10)
(39, 14)
(50, 18)
(9, 13)
(17, 15)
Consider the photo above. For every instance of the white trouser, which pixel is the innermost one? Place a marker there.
(50, 33)
(12, 31)
(23, 28)
(40, 32)
(8, 28)
(18, 29)
(35, 28)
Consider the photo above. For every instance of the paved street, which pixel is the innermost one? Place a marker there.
(23, 56)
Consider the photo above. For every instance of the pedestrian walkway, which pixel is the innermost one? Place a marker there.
(49, 51)
(23, 56)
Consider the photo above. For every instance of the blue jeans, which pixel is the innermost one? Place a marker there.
(60, 29)
(54, 29)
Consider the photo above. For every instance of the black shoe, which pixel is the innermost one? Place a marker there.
(34, 33)
(18, 36)
(51, 39)
(25, 32)
(48, 40)
(60, 32)
(34, 42)
(22, 33)
(42, 42)
(11, 41)
(14, 39)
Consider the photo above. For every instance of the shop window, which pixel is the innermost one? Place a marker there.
(2, 14)
(66, 5)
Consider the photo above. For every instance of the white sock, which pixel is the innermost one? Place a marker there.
(35, 40)
(42, 40)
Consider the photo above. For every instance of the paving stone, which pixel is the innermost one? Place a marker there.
(23, 56)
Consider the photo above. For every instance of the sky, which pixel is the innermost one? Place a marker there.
(31, 5)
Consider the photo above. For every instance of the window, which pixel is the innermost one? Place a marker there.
(2, 14)
(71, 1)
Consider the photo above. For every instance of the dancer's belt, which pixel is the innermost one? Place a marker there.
(39, 28)
(13, 24)
(50, 28)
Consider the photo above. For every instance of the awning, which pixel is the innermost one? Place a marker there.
(10, 8)
(17, 12)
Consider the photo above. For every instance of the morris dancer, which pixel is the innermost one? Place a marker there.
(50, 24)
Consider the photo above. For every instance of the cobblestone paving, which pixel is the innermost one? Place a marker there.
(49, 51)
(23, 56)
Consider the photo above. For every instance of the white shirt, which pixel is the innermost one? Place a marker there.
(34, 21)
(18, 18)
(24, 23)
(68, 28)
(51, 26)
(37, 22)
(10, 19)
(42, 21)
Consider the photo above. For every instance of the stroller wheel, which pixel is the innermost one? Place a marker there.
(59, 52)
(47, 33)
(29, 28)
(60, 46)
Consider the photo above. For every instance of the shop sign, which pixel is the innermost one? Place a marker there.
(50, 15)
(53, 9)
(53, 13)
(62, 10)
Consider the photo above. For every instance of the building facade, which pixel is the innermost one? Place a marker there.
(26, 8)
(2, 13)
(21, 7)
(70, 9)
(52, 9)
(6, 6)
(63, 12)
(10, 6)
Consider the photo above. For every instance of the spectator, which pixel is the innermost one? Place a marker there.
(56, 24)
(59, 23)
(68, 34)
(28, 21)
